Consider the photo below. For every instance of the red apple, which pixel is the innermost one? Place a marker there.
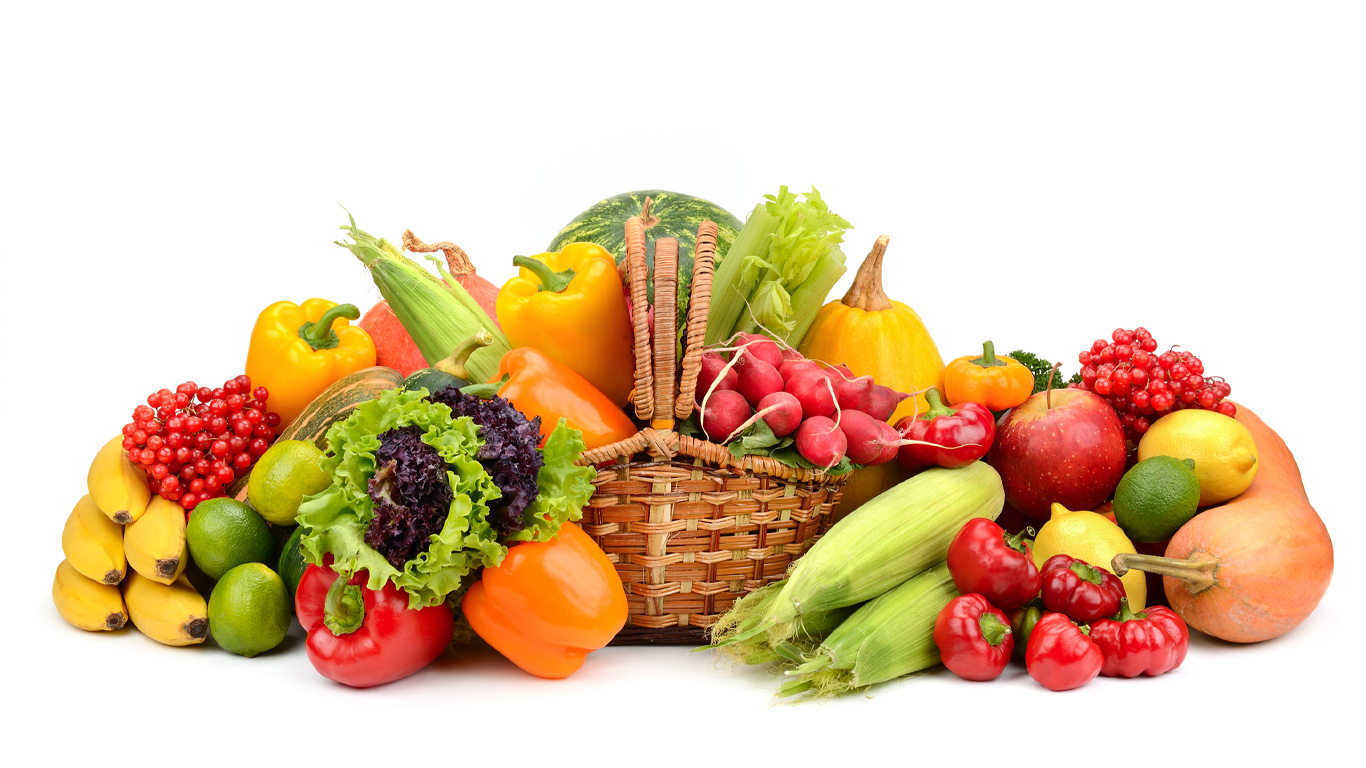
(1064, 446)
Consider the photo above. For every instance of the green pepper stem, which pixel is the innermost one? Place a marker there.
(320, 335)
(1016, 542)
(993, 630)
(988, 358)
(1197, 572)
(485, 391)
(550, 279)
(937, 407)
(455, 364)
(1126, 613)
(344, 609)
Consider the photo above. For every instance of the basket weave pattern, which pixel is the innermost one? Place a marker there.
(690, 527)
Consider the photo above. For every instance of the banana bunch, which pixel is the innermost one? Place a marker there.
(117, 524)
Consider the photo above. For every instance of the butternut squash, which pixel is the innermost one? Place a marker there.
(1254, 568)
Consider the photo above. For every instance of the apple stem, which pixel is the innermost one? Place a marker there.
(1048, 392)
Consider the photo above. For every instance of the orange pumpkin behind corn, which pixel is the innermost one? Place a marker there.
(298, 350)
(993, 380)
(549, 604)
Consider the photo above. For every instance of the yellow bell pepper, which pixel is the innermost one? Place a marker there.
(298, 350)
(570, 306)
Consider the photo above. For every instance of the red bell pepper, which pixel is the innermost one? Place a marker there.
(946, 436)
(362, 637)
(984, 559)
(974, 638)
(1149, 642)
(1060, 655)
(1080, 590)
(1022, 623)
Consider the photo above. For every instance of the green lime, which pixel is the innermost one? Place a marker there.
(292, 563)
(249, 610)
(224, 533)
(286, 473)
(1156, 497)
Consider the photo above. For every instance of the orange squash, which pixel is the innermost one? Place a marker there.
(1254, 568)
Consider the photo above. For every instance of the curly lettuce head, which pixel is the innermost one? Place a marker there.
(381, 438)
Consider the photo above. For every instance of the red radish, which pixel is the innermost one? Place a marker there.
(853, 393)
(757, 379)
(782, 413)
(815, 392)
(791, 354)
(863, 433)
(883, 402)
(792, 367)
(724, 412)
(759, 346)
(891, 444)
(713, 366)
(820, 441)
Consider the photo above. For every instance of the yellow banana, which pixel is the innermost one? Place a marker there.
(85, 603)
(155, 542)
(119, 489)
(172, 614)
(93, 543)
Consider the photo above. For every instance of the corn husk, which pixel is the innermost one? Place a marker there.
(438, 315)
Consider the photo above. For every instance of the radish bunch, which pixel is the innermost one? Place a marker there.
(829, 413)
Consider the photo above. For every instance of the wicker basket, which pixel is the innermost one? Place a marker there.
(690, 527)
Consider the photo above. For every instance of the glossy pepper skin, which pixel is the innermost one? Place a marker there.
(1150, 642)
(983, 558)
(549, 604)
(1060, 655)
(995, 381)
(1022, 623)
(570, 305)
(957, 435)
(298, 350)
(974, 638)
(537, 385)
(362, 637)
(1080, 590)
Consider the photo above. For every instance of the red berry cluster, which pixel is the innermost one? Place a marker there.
(1143, 385)
(195, 441)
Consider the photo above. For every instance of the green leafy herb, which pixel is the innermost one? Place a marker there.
(1040, 368)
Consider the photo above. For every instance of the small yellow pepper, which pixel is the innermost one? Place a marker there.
(570, 306)
(298, 350)
(996, 381)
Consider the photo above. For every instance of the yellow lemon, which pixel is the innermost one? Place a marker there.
(1223, 451)
(1093, 538)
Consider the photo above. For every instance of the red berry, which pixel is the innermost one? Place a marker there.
(1117, 333)
(129, 445)
(1142, 359)
(242, 427)
(1228, 409)
(1142, 333)
(236, 444)
(170, 485)
(272, 420)
(1084, 358)
(181, 399)
(1124, 352)
(159, 471)
(147, 457)
(188, 501)
(220, 448)
(1102, 386)
(1178, 371)
(261, 394)
(1141, 399)
(1188, 397)
(143, 413)
(187, 473)
(254, 416)
(165, 455)
(234, 403)
(1195, 381)
(1194, 364)
(1141, 425)
(193, 424)
(243, 383)
(197, 485)
(218, 407)
(212, 484)
(264, 432)
(217, 426)
(1138, 377)
(1175, 386)
(231, 387)
(225, 475)
(1107, 355)
(258, 447)
(1088, 376)
(1206, 400)
(218, 393)
(1098, 345)
(1148, 345)
(204, 394)
(242, 461)
(182, 455)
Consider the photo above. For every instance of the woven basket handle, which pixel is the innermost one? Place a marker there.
(637, 274)
(666, 331)
(704, 265)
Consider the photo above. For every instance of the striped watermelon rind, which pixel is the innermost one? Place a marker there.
(675, 215)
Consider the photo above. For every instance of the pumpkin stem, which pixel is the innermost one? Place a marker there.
(1197, 572)
(866, 293)
(457, 261)
(455, 364)
(646, 219)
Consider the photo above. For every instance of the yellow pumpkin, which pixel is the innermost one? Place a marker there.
(876, 336)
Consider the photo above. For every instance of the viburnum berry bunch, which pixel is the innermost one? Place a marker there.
(1143, 385)
(195, 441)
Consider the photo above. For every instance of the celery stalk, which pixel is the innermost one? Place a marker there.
(729, 293)
(439, 316)
(810, 296)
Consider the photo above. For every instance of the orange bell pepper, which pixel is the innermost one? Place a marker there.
(549, 604)
(538, 385)
(993, 380)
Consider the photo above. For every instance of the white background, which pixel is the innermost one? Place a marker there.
(1047, 172)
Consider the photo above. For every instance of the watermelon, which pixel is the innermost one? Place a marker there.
(670, 214)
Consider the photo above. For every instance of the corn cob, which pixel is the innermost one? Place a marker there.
(757, 649)
(880, 545)
(438, 315)
(889, 637)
